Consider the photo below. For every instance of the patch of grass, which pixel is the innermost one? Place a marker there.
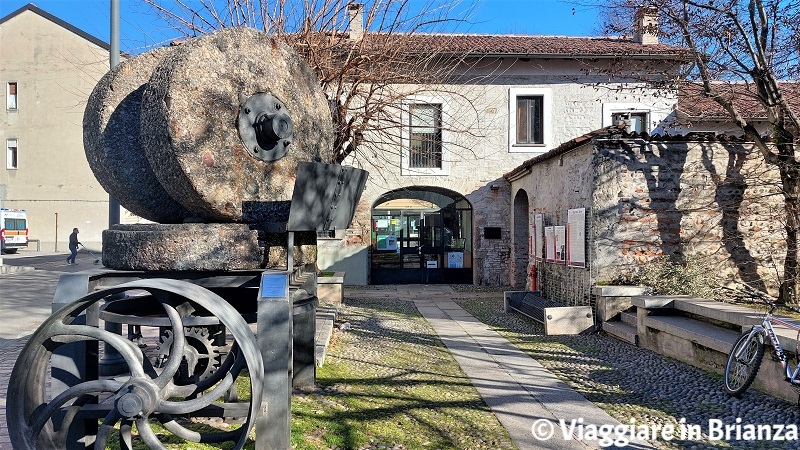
(391, 383)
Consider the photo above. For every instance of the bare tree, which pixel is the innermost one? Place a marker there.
(369, 59)
(745, 60)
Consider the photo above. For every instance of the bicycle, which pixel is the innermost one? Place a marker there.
(748, 352)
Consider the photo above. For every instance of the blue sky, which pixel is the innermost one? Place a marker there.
(140, 29)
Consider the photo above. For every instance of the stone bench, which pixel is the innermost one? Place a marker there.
(557, 318)
(330, 287)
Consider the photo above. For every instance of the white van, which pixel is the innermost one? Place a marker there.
(13, 230)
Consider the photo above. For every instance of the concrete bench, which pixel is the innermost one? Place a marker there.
(738, 318)
(702, 333)
(557, 318)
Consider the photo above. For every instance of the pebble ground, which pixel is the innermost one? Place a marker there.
(632, 383)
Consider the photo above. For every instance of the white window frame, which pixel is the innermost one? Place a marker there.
(609, 109)
(405, 117)
(547, 119)
(12, 106)
(12, 157)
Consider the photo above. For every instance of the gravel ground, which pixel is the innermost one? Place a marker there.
(633, 383)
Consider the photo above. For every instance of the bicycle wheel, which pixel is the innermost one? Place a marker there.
(740, 372)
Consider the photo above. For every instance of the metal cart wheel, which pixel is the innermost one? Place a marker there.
(146, 394)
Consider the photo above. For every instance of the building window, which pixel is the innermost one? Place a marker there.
(530, 112)
(530, 118)
(11, 153)
(634, 121)
(638, 117)
(425, 136)
(11, 96)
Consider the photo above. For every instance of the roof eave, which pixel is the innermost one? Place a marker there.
(46, 15)
(673, 57)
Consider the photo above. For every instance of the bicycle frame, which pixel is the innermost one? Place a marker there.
(791, 374)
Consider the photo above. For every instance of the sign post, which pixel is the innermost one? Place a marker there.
(274, 335)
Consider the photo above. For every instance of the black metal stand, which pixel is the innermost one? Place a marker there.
(281, 321)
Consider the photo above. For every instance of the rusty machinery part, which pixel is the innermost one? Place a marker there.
(35, 420)
(192, 116)
(112, 145)
(201, 356)
(265, 127)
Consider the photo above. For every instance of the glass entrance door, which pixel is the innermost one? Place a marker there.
(418, 241)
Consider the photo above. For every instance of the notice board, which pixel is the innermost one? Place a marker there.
(576, 237)
(538, 236)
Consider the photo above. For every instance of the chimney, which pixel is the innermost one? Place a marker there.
(646, 27)
(356, 11)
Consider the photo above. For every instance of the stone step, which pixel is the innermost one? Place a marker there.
(705, 334)
(621, 331)
(628, 317)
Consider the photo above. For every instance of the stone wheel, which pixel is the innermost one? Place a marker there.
(145, 395)
(112, 144)
(187, 246)
(227, 117)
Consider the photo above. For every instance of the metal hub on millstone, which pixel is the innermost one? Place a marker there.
(224, 164)
(265, 127)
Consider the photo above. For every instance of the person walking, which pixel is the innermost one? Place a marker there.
(73, 246)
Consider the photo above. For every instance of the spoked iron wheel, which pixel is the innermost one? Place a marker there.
(146, 397)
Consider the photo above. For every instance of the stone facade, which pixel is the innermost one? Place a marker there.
(646, 199)
(478, 149)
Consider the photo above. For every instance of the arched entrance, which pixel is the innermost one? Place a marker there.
(521, 239)
(421, 235)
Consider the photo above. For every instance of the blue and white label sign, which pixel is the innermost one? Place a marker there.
(275, 285)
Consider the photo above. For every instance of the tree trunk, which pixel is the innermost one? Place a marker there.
(790, 170)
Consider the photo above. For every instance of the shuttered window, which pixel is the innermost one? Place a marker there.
(530, 120)
(11, 154)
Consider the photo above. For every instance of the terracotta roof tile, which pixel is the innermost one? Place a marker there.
(693, 102)
(526, 45)
(615, 133)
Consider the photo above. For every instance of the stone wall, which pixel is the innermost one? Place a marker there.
(677, 198)
(647, 199)
(554, 186)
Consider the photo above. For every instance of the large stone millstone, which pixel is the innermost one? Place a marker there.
(112, 144)
(201, 247)
(189, 115)
(179, 247)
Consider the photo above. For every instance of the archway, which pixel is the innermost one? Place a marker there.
(421, 234)
(521, 240)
